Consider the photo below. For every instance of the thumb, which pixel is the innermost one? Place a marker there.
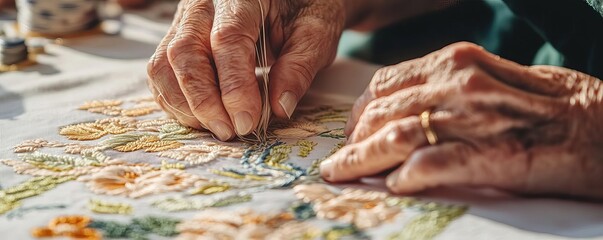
(309, 49)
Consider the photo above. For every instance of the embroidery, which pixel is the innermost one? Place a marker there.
(202, 153)
(33, 145)
(74, 227)
(364, 209)
(135, 141)
(216, 224)
(138, 228)
(345, 232)
(334, 133)
(174, 204)
(297, 129)
(313, 170)
(104, 207)
(93, 130)
(305, 147)
(21, 211)
(165, 165)
(113, 107)
(302, 211)
(138, 181)
(431, 223)
(211, 188)
(11, 197)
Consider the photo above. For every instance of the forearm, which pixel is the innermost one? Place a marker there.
(365, 15)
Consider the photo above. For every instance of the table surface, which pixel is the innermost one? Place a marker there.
(37, 101)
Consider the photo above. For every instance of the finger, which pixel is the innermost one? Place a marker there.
(404, 103)
(447, 164)
(386, 81)
(309, 49)
(385, 149)
(189, 55)
(163, 80)
(233, 37)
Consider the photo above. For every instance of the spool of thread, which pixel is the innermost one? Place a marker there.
(56, 17)
(12, 51)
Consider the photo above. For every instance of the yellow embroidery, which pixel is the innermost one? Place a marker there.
(104, 207)
(130, 142)
(165, 165)
(305, 147)
(113, 108)
(211, 189)
(93, 130)
(362, 208)
(11, 197)
(74, 227)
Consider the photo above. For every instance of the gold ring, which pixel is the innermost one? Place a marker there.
(432, 138)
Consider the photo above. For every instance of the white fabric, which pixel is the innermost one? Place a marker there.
(35, 102)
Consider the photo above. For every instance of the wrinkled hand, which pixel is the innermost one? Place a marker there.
(534, 130)
(205, 65)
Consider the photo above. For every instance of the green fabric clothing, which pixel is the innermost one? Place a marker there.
(553, 32)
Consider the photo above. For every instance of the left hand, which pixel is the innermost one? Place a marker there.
(535, 130)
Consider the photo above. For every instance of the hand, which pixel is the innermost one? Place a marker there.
(203, 72)
(535, 130)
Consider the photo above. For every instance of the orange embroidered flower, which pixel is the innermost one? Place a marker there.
(364, 209)
(138, 181)
(74, 227)
(217, 224)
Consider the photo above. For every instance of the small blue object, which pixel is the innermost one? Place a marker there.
(11, 42)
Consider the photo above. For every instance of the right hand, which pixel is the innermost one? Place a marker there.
(203, 71)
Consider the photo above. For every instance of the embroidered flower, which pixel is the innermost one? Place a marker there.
(202, 153)
(216, 224)
(364, 209)
(74, 227)
(138, 181)
(95, 130)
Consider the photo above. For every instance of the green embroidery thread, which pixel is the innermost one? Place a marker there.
(99, 206)
(11, 197)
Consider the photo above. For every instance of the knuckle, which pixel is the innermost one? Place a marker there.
(350, 161)
(462, 52)
(229, 34)
(236, 86)
(473, 81)
(186, 46)
(397, 133)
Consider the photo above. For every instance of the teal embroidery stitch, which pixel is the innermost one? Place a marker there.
(21, 211)
(138, 228)
(302, 210)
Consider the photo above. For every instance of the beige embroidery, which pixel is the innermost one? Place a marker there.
(138, 181)
(298, 129)
(93, 130)
(130, 142)
(202, 153)
(216, 224)
(364, 209)
(113, 108)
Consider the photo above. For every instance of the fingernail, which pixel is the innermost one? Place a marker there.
(325, 168)
(220, 129)
(392, 178)
(288, 101)
(243, 122)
